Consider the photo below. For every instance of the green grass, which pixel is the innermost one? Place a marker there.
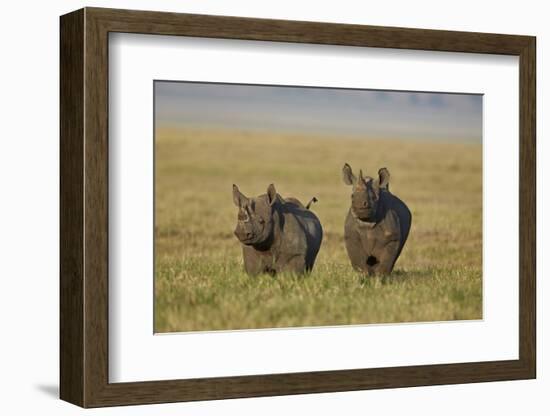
(200, 283)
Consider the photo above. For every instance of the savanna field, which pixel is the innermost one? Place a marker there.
(200, 283)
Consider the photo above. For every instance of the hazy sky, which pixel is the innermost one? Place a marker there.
(371, 113)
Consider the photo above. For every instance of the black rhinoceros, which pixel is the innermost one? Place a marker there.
(377, 224)
(277, 234)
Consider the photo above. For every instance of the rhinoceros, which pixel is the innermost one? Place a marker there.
(377, 224)
(277, 234)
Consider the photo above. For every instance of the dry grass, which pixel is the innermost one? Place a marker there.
(199, 282)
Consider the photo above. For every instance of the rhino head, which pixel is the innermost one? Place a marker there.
(255, 216)
(366, 191)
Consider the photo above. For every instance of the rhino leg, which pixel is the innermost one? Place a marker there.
(253, 264)
(386, 259)
(356, 253)
(295, 264)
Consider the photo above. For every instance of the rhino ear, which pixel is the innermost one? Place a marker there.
(348, 176)
(238, 198)
(271, 194)
(384, 179)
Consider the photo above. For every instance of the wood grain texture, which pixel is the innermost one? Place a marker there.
(96, 216)
(71, 213)
(527, 208)
(162, 23)
(84, 207)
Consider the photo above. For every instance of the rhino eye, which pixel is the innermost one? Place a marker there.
(261, 220)
(373, 195)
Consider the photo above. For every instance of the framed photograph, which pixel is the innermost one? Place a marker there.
(254, 207)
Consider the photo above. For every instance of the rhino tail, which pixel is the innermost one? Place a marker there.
(311, 201)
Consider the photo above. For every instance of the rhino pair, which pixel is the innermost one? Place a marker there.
(281, 234)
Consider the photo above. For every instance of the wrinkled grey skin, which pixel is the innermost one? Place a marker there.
(377, 224)
(277, 234)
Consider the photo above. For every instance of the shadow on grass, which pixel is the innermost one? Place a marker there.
(398, 276)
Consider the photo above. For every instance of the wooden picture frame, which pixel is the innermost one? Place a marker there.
(84, 207)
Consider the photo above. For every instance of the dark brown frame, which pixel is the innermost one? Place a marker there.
(84, 207)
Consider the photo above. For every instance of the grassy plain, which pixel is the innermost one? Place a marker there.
(199, 279)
